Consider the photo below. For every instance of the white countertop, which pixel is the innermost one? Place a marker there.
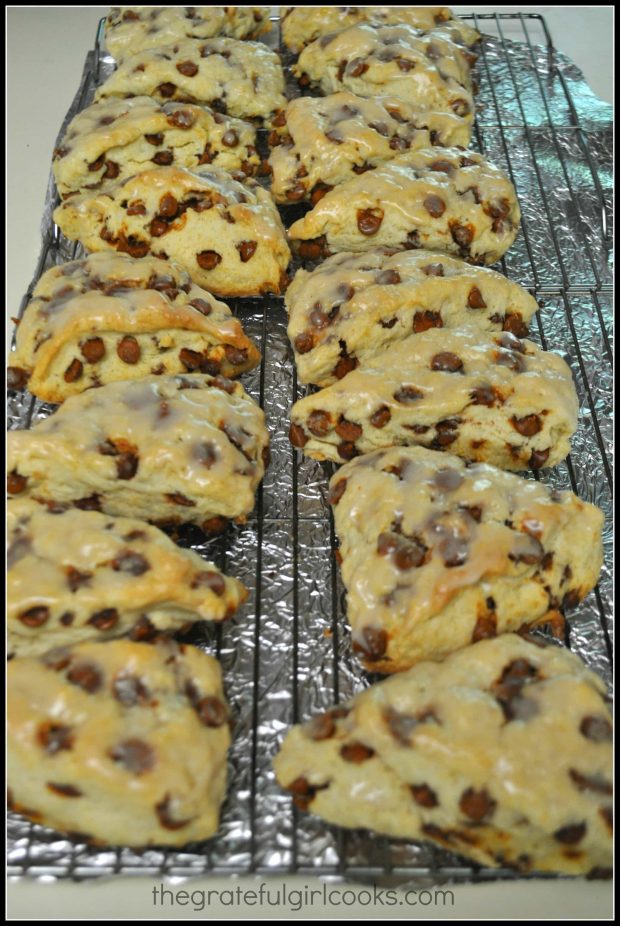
(46, 51)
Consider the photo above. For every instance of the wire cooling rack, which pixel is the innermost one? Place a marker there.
(288, 654)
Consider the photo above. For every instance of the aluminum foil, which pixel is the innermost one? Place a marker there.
(287, 652)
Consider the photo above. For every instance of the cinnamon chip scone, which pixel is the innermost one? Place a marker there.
(109, 317)
(437, 554)
(129, 29)
(444, 199)
(227, 235)
(115, 139)
(301, 25)
(502, 753)
(482, 396)
(119, 743)
(167, 449)
(352, 306)
(243, 79)
(78, 575)
(323, 141)
(426, 69)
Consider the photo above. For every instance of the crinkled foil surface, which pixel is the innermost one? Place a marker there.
(287, 653)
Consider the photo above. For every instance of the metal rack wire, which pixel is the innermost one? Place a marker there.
(288, 653)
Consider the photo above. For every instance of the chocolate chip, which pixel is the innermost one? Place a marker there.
(134, 755)
(345, 365)
(128, 349)
(424, 795)
(596, 728)
(190, 359)
(433, 270)
(407, 395)
(477, 805)
(373, 644)
(182, 118)
(336, 491)
(593, 783)
(187, 68)
(434, 205)
(246, 250)
(486, 627)
(126, 465)
(484, 395)
(211, 711)
(348, 430)
(304, 342)
(93, 349)
(369, 221)
(405, 65)
(356, 752)
(381, 417)
(136, 208)
(571, 834)
(510, 359)
(168, 205)
(527, 426)
(529, 550)
(460, 107)
(131, 562)
(163, 159)
(297, 436)
(74, 371)
(96, 165)
(208, 260)
(158, 227)
(63, 790)
(515, 676)
(388, 278)
(319, 423)
(35, 617)
(18, 548)
(16, 378)
(538, 458)
(475, 300)
(55, 737)
(463, 235)
(303, 792)
(111, 172)
(85, 675)
(515, 325)
(57, 658)
(422, 321)
(201, 305)
(90, 503)
(347, 450)
(162, 809)
(319, 319)
(176, 498)
(130, 690)
(77, 579)
(104, 620)
(206, 453)
(357, 67)
(166, 89)
(398, 144)
(446, 362)
(321, 727)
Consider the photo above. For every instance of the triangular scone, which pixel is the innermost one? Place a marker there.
(450, 200)
(167, 449)
(436, 554)
(109, 317)
(353, 306)
(119, 743)
(242, 79)
(129, 29)
(227, 235)
(502, 753)
(320, 142)
(482, 396)
(426, 69)
(78, 575)
(115, 139)
(301, 25)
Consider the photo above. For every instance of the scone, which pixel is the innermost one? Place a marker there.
(119, 743)
(436, 554)
(227, 235)
(502, 753)
(353, 306)
(167, 449)
(482, 396)
(79, 575)
(129, 29)
(323, 141)
(449, 200)
(301, 25)
(243, 79)
(115, 139)
(426, 69)
(109, 317)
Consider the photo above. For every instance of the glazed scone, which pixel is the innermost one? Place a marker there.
(502, 753)
(242, 79)
(482, 396)
(227, 235)
(109, 317)
(436, 554)
(448, 200)
(119, 743)
(166, 449)
(78, 575)
(323, 141)
(115, 139)
(427, 70)
(129, 29)
(301, 25)
(352, 306)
